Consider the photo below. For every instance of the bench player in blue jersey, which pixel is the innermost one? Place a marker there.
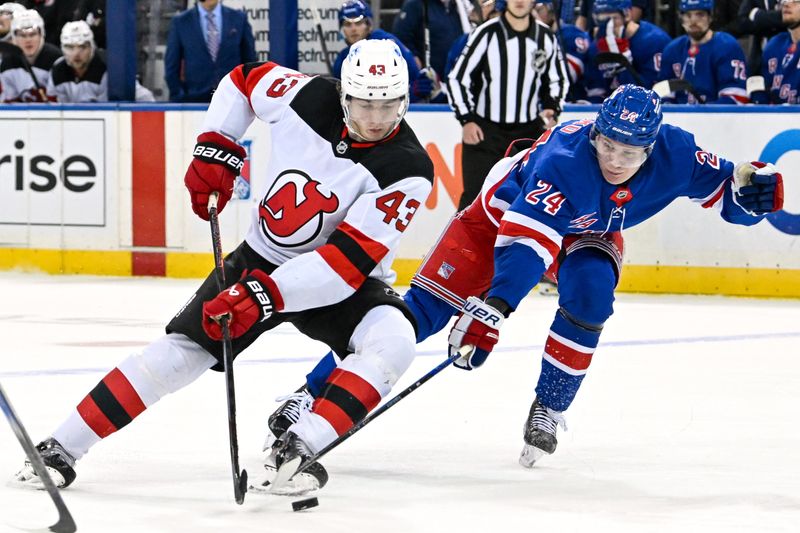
(640, 43)
(781, 61)
(560, 207)
(712, 61)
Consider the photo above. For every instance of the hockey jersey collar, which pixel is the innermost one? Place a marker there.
(346, 141)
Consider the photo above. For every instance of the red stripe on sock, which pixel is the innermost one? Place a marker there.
(95, 418)
(124, 392)
(334, 414)
(357, 386)
(567, 355)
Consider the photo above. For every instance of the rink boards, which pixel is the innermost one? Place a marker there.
(99, 190)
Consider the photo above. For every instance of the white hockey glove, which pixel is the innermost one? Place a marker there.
(478, 328)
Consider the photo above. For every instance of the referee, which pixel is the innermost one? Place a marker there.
(508, 84)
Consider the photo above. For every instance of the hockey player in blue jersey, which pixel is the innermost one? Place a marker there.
(575, 44)
(355, 23)
(561, 207)
(640, 43)
(781, 61)
(711, 61)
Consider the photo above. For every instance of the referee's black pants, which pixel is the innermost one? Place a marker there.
(478, 159)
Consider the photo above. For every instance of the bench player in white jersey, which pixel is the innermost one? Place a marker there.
(80, 76)
(345, 177)
(23, 77)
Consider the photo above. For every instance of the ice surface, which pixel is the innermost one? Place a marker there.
(687, 421)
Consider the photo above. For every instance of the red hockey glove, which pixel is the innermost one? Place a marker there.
(217, 161)
(758, 187)
(252, 300)
(478, 327)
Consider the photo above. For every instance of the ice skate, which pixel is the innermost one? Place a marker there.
(59, 465)
(284, 416)
(540, 433)
(288, 454)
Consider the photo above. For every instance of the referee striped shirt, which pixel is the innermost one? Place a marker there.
(506, 76)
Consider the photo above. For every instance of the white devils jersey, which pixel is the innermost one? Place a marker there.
(16, 82)
(332, 211)
(64, 86)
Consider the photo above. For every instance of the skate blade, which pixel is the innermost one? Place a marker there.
(28, 480)
(298, 485)
(529, 456)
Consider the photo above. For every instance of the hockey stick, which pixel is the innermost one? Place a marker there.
(323, 44)
(677, 84)
(65, 522)
(375, 414)
(614, 58)
(239, 477)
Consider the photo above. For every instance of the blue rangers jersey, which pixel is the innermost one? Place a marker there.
(575, 43)
(781, 69)
(645, 45)
(716, 69)
(556, 188)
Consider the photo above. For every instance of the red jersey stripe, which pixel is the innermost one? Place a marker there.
(511, 229)
(341, 265)
(376, 250)
(714, 199)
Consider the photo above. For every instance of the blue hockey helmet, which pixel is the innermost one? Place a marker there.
(696, 5)
(354, 11)
(499, 5)
(631, 115)
(610, 6)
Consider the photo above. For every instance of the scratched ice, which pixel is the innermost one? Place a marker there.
(687, 421)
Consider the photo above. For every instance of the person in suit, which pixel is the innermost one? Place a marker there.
(204, 44)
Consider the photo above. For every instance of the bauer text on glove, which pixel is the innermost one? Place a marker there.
(217, 161)
(253, 299)
(478, 326)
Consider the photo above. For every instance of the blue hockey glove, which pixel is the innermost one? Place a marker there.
(758, 187)
(422, 86)
(478, 328)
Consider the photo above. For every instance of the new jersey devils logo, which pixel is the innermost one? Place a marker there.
(291, 212)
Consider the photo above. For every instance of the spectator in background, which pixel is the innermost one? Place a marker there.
(637, 43)
(355, 23)
(80, 76)
(711, 61)
(762, 20)
(23, 78)
(204, 44)
(445, 28)
(7, 11)
(781, 63)
(517, 96)
(574, 43)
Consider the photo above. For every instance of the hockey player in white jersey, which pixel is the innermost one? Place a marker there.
(23, 77)
(345, 177)
(80, 76)
(7, 11)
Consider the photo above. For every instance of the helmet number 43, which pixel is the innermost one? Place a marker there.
(377, 70)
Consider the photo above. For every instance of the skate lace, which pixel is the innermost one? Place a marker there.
(296, 403)
(545, 419)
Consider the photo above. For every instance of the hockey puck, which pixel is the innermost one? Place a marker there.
(299, 505)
